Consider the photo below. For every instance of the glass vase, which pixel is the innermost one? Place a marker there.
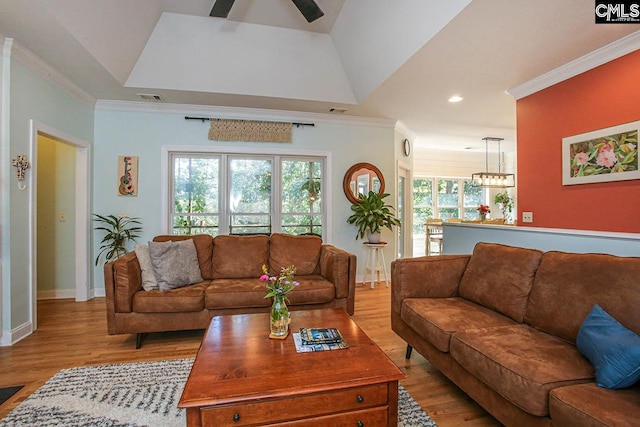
(483, 217)
(279, 317)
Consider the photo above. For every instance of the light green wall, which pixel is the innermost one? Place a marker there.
(31, 98)
(144, 133)
(55, 237)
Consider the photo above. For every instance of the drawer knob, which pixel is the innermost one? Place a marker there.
(360, 399)
(360, 423)
(236, 417)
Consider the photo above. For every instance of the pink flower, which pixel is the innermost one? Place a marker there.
(264, 277)
(582, 158)
(606, 157)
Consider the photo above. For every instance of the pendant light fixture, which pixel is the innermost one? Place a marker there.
(488, 179)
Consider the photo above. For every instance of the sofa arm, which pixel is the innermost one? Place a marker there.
(339, 266)
(426, 277)
(123, 278)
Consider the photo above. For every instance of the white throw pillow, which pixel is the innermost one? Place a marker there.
(149, 282)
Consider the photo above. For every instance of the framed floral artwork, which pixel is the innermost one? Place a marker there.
(609, 154)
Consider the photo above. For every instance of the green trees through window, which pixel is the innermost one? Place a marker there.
(235, 194)
(444, 198)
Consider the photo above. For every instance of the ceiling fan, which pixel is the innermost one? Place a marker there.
(308, 8)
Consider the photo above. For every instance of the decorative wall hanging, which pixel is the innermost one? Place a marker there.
(609, 154)
(127, 175)
(22, 164)
(249, 130)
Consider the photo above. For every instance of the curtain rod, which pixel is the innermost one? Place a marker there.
(203, 119)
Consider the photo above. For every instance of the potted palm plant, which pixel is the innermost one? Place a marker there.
(371, 214)
(119, 230)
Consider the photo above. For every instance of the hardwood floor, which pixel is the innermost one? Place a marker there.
(74, 334)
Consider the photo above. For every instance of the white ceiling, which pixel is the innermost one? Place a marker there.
(398, 60)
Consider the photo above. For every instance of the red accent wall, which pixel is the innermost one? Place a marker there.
(606, 96)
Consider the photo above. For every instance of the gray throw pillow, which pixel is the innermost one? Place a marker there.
(149, 282)
(175, 263)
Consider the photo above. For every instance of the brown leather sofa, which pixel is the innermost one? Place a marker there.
(502, 325)
(230, 268)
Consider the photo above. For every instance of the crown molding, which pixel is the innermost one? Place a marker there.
(239, 113)
(401, 128)
(34, 63)
(585, 63)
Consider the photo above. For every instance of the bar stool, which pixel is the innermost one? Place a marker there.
(374, 256)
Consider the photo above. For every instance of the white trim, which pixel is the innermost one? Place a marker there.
(47, 72)
(239, 113)
(56, 294)
(402, 129)
(5, 190)
(16, 334)
(568, 231)
(587, 62)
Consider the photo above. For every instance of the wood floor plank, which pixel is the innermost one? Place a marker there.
(74, 334)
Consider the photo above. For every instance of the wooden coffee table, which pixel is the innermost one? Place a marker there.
(242, 378)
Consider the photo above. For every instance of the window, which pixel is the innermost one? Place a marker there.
(246, 194)
(444, 198)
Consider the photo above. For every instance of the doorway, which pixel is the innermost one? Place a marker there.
(405, 212)
(63, 160)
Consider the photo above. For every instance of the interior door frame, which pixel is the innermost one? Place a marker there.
(405, 170)
(82, 224)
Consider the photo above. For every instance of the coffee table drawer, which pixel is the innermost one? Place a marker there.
(373, 417)
(273, 411)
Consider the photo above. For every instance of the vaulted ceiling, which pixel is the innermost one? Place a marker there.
(399, 60)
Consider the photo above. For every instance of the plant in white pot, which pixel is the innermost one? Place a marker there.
(506, 204)
(371, 214)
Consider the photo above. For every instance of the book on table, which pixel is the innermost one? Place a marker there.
(310, 336)
(305, 348)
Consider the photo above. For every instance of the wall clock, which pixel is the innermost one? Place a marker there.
(407, 147)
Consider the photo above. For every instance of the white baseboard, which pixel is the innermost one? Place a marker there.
(11, 337)
(57, 294)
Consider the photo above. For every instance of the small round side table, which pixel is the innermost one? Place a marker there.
(374, 265)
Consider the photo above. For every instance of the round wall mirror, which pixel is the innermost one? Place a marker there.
(360, 179)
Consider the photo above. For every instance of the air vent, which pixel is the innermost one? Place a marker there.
(149, 97)
(337, 110)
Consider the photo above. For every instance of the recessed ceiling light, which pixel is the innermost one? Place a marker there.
(456, 98)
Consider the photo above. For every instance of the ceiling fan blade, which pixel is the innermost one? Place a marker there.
(309, 9)
(221, 8)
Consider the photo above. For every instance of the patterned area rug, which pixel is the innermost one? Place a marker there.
(133, 395)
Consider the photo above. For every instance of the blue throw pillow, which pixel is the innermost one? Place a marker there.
(611, 348)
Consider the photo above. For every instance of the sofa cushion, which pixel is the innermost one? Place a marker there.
(239, 257)
(235, 293)
(313, 289)
(243, 293)
(567, 285)
(590, 405)
(149, 281)
(185, 299)
(175, 264)
(303, 252)
(500, 277)
(204, 246)
(436, 319)
(612, 349)
(520, 363)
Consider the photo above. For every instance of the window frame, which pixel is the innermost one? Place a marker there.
(325, 157)
(434, 194)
